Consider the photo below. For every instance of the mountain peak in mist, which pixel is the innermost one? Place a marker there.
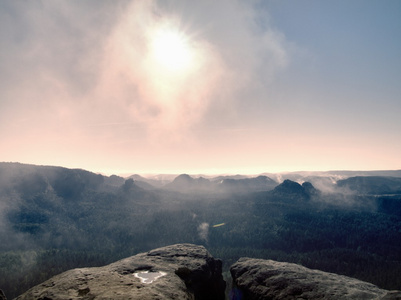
(185, 183)
(183, 178)
(309, 188)
(289, 188)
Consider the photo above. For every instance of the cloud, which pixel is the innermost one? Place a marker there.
(162, 101)
(203, 231)
(77, 75)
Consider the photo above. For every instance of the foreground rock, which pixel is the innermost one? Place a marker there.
(182, 271)
(267, 279)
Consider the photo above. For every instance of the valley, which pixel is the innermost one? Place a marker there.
(54, 219)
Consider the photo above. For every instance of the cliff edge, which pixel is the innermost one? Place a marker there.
(182, 271)
(186, 271)
(267, 279)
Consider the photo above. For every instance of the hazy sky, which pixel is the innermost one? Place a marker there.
(201, 86)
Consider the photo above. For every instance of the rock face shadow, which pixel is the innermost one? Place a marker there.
(149, 276)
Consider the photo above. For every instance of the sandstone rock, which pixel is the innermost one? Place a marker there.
(182, 271)
(267, 279)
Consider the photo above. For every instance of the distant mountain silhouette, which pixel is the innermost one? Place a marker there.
(185, 183)
(260, 183)
(238, 176)
(114, 180)
(374, 185)
(291, 190)
(310, 189)
(289, 187)
(131, 186)
(146, 183)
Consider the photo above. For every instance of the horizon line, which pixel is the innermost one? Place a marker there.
(126, 173)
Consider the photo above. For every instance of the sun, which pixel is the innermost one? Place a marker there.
(171, 49)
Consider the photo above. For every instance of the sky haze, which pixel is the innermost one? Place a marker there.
(201, 86)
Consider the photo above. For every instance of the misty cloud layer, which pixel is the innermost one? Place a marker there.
(70, 68)
(203, 230)
(77, 85)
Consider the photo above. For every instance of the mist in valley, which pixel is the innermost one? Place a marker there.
(54, 219)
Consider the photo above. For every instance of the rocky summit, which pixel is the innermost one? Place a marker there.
(266, 279)
(186, 271)
(182, 271)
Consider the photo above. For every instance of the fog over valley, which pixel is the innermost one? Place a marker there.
(54, 219)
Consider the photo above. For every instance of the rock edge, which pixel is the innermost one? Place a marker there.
(268, 279)
(191, 273)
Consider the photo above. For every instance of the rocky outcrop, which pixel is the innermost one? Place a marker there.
(186, 271)
(182, 271)
(266, 279)
(290, 191)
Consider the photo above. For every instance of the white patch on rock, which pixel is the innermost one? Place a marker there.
(148, 277)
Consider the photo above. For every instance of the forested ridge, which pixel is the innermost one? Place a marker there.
(54, 219)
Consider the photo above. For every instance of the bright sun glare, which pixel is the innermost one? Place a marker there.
(171, 50)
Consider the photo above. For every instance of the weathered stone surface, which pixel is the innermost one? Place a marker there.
(186, 271)
(267, 279)
(190, 273)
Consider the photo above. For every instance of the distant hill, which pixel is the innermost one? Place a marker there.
(147, 183)
(292, 191)
(223, 177)
(185, 183)
(260, 183)
(374, 185)
(318, 176)
(289, 187)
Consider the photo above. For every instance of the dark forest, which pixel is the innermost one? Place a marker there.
(54, 219)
